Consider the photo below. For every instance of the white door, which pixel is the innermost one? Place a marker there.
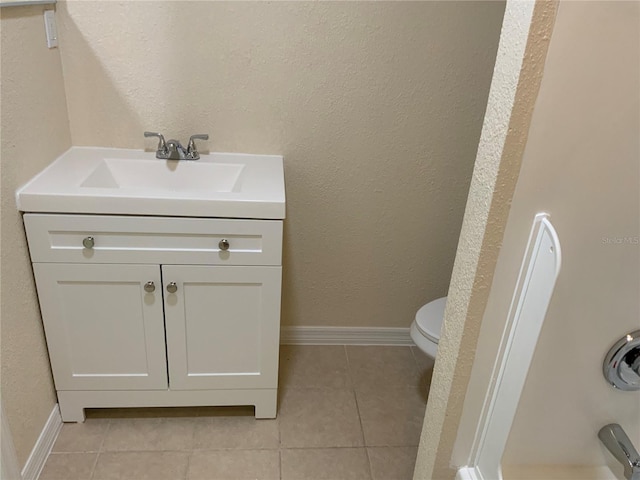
(104, 331)
(223, 326)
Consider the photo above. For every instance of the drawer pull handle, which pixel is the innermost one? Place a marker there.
(88, 242)
(172, 287)
(149, 287)
(224, 244)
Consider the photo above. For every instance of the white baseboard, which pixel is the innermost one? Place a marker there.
(43, 446)
(344, 336)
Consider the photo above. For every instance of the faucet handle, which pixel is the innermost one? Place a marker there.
(162, 146)
(618, 443)
(192, 151)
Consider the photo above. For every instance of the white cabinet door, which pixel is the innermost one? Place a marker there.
(104, 331)
(223, 326)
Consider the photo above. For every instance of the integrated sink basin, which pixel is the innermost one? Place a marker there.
(180, 175)
(133, 182)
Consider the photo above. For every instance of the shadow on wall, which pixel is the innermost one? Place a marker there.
(96, 94)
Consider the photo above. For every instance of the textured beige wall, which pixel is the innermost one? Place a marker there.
(582, 165)
(521, 53)
(376, 107)
(35, 129)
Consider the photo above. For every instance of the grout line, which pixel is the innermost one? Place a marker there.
(159, 450)
(277, 419)
(195, 450)
(223, 449)
(355, 397)
(355, 447)
(100, 449)
(192, 445)
(186, 474)
(352, 447)
(104, 436)
(364, 442)
(366, 452)
(351, 382)
(312, 388)
(74, 452)
(93, 468)
(279, 441)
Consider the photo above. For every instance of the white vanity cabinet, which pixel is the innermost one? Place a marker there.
(103, 331)
(159, 311)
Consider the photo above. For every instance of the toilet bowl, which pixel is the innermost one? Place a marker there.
(425, 329)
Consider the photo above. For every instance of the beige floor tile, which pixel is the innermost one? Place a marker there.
(425, 369)
(142, 466)
(391, 416)
(311, 417)
(424, 361)
(236, 432)
(392, 463)
(314, 366)
(82, 437)
(68, 466)
(157, 434)
(325, 464)
(371, 367)
(319, 411)
(235, 465)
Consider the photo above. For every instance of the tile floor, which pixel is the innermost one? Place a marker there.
(345, 413)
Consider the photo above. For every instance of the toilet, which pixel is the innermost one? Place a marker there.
(425, 329)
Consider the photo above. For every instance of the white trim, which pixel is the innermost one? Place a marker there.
(469, 473)
(73, 402)
(345, 336)
(531, 297)
(43, 446)
(9, 463)
(26, 3)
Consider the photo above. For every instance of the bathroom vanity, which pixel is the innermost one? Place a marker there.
(161, 289)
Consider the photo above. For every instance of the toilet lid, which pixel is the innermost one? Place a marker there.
(429, 319)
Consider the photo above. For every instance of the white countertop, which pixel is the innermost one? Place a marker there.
(97, 180)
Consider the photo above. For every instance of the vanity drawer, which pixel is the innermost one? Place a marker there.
(168, 240)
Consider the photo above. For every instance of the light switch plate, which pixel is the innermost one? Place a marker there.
(50, 28)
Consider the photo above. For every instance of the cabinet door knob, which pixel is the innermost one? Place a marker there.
(88, 242)
(224, 244)
(149, 287)
(172, 287)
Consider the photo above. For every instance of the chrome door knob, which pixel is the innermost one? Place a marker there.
(224, 244)
(149, 287)
(172, 287)
(88, 242)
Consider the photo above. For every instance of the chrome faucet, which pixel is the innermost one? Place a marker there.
(173, 149)
(618, 443)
